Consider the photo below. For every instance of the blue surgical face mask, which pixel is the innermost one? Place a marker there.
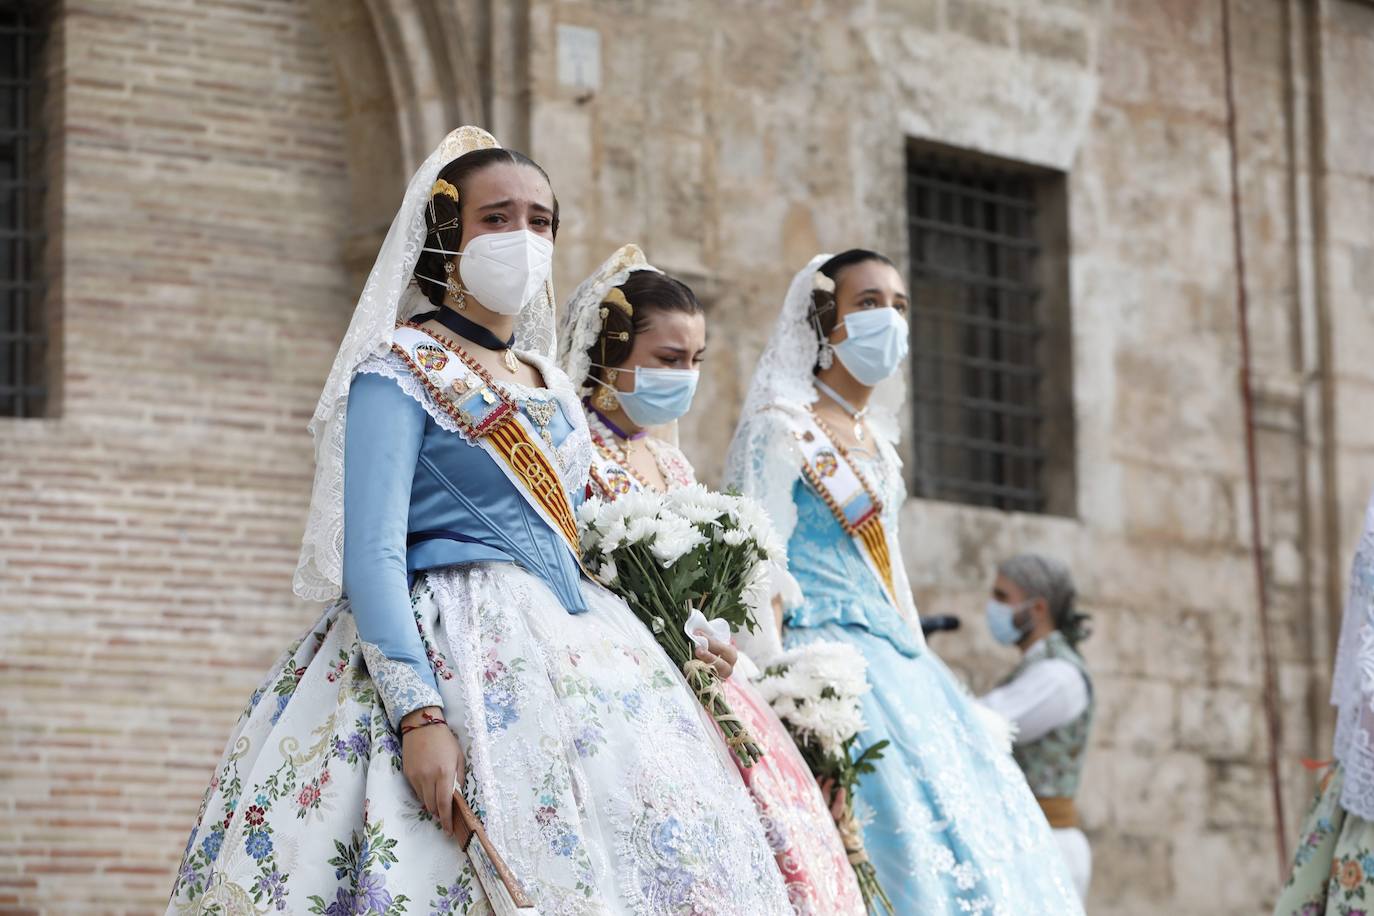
(876, 345)
(1002, 623)
(659, 396)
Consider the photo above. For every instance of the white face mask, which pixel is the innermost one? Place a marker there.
(504, 270)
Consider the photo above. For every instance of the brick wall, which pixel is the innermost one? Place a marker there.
(148, 532)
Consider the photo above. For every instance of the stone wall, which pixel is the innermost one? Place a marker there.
(734, 141)
(225, 170)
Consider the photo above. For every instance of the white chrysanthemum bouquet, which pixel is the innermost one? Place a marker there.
(688, 560)
(815, 690)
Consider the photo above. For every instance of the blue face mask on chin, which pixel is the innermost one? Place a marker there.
(659, 396)
(876, 345)
(1002, 623)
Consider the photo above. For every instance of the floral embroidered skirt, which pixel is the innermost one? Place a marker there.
(807, 847)
(1333, 868)
(597, 775)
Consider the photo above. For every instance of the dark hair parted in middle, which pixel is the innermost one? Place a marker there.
(647, 291)
(824, 315)
(444, 215)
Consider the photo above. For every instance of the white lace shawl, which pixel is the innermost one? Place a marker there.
(764, 462)
(1352, 682)
(581, 320)
(389, 295)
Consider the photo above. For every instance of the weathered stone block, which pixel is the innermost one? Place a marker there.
(981, 21)
(1054, 39)
(1220, 723)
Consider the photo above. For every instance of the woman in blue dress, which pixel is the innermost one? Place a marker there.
(466, 650)
(950, 824)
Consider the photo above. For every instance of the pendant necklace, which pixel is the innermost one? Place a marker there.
(856, 415)
(474, 332)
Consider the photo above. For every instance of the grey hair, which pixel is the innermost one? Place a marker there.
(1045, 577)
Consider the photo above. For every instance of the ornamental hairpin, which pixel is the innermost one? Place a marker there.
(616, 298)
(821, 283)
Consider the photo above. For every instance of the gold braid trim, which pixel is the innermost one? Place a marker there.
(529, 463)
(875, 539)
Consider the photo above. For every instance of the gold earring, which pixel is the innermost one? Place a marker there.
(455, 287)
(605, 400)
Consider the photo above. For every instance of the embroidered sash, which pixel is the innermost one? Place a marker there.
(488, 418)
(851, 499)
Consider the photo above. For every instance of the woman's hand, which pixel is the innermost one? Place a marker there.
(836, 797)
(719, 655)
(432, 761)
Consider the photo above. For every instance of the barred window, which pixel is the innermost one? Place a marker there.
(23, 330)
(991, 361)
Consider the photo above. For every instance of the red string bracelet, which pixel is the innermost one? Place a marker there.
(429, 720)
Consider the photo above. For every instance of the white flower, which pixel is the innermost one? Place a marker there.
(607, 574)
(641, 529)
(674, 537)
(588, 512)
(697, 513)
(734, 536)
(793, 686)
(613, 537)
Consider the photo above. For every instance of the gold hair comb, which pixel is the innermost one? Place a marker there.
(445, 187)
(617, 298)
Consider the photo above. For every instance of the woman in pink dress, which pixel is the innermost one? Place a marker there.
(633, 339)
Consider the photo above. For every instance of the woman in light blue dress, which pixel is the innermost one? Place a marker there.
(950, 824)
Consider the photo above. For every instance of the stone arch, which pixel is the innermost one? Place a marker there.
(408, 74)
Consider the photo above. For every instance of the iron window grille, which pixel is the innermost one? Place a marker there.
(23, 331)
(985, 326)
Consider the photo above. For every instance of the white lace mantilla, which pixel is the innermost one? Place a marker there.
(1352, 682)
(390, 295)
(581, 321)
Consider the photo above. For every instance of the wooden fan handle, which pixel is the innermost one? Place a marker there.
(475, 828)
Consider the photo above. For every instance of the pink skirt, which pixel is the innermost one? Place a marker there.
(820, 881)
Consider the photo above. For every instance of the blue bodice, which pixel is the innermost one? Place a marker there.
(419, 496)
(839, 587)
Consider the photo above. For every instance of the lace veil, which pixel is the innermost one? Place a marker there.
(1352, 682)
(581, 322)
(389, 295)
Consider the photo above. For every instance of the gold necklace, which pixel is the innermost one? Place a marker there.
(602, 438)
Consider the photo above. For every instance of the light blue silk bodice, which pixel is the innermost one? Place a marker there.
(418, 496)
(839, 586)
